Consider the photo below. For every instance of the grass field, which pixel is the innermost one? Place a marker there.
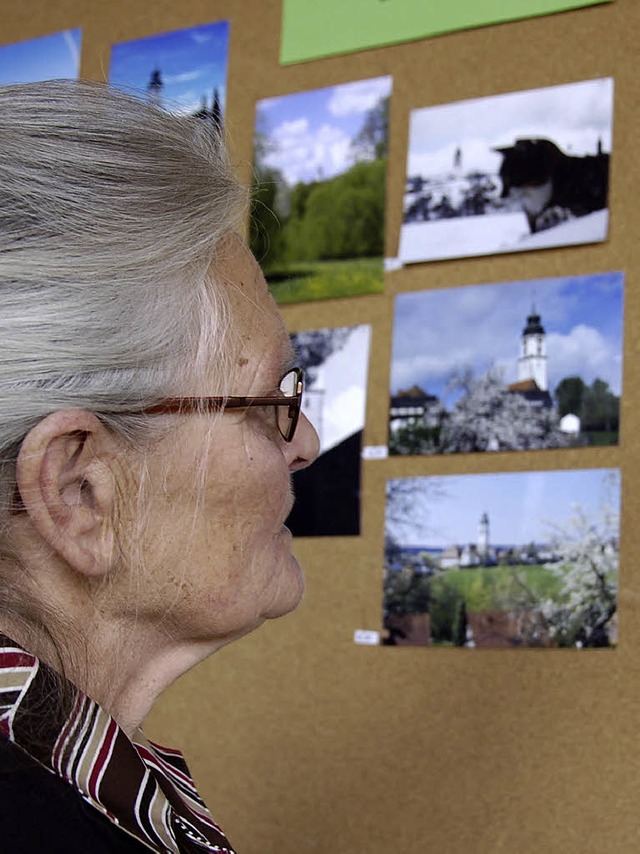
(315, 280)
(498, 587)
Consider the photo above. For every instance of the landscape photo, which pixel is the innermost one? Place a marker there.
(507, 367)
(52, 57)
(335, 363)
(507, 173)
(318, 212)
(503, 560)
(183, 71)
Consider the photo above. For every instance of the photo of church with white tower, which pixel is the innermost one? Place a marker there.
(479, 553)
(517, 366)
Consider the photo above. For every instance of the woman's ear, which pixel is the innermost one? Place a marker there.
(66, 479)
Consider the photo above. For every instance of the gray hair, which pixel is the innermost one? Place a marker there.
(111, 212)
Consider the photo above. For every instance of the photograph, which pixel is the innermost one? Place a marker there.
(335, 363)
(183, 71)
(52, 57)
(517, 559)
(514, 366)
(319, 189)
(508, 173)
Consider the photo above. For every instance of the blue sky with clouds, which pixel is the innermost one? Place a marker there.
(437, 332)
(309, 133)
(49, 57)
(192, 62)
(522, 506)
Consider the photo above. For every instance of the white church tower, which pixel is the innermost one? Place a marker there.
(483, 536)
(532, 363)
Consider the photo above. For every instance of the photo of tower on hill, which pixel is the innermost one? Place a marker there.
(503, 367)
(510, 559)
(184, 71)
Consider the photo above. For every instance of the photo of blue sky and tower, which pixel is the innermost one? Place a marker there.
(184, 71)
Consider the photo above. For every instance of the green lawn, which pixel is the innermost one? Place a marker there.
(602, 438)
(303, 282)
(497, 587)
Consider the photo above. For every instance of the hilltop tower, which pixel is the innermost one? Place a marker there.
(532, 362)
(483, 536)
(155, 88)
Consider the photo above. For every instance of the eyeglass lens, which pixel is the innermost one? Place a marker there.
(288, 415)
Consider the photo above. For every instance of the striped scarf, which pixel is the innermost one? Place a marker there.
(142, 787)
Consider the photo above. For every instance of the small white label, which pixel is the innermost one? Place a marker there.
(392, 264)
(375, 452)
(366, 637)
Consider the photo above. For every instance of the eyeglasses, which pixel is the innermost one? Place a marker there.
(287, 406)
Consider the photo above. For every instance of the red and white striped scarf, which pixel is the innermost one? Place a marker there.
(144, 788)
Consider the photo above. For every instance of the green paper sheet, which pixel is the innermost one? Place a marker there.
(312, 29)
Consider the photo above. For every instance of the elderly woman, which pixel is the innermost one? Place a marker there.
(149, 423)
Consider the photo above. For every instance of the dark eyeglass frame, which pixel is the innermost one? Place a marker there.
(180, 405)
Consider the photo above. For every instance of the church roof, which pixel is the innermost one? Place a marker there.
(534, 325)
(524, 385)
(414, 396)
(416, 392)
(530, 390)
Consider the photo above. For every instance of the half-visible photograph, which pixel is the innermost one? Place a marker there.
(335, 363)
(320, 172)
(507, 173)
(52, 57)
(518, 559)
(183, 71)
(507, 367)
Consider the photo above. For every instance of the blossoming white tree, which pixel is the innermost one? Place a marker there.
(582, 614)
(489, 417)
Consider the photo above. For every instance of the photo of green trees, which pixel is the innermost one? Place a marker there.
(318, 202)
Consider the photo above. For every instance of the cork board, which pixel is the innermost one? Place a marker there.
(302, 740)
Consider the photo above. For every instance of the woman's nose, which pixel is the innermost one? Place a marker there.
(302, 450)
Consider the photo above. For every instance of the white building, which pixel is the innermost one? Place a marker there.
(532, 363)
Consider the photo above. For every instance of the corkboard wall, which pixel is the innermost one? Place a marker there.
(302, 740)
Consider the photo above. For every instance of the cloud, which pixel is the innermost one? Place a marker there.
(586, 353)
(184, 77)
(303, 155)
(200, 36)
(358, 97)
(72, 46)
(290, 130)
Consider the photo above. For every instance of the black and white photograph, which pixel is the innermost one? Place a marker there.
(336, 364)
(515, 559)
(508, 173)
(513, 366)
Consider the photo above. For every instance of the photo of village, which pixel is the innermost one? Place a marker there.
(183, 71)
(526, 559)
(318, 213)
(335, 363)
(514, 366)
(508, 173)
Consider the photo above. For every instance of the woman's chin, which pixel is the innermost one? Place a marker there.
(290, 592)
